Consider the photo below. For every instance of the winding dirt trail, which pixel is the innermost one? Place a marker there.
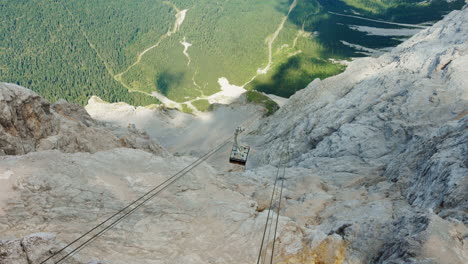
(271, 39)
(180, 17)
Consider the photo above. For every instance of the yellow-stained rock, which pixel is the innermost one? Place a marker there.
(330, 251)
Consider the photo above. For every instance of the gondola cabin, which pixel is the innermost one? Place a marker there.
(239, 153)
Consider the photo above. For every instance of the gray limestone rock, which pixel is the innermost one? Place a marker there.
(32, 249)
(433, 170)
(29, 123)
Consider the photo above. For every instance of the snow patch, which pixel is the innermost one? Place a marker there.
(180, 17)
(278, 99)
(386, 31)
(343, 62)
(166, 101)
(229, 92)
(186, 47)
(362, 49)
(379, 21)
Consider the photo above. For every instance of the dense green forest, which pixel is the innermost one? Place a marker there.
(43, 47)
(124, 50)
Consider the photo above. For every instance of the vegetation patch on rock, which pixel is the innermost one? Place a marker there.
(259, 98)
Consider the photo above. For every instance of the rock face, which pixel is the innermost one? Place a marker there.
(30, 249)
(199, 219)
(400, 119)
(421, 238)
(25, 119)
(29, 123)
(433, 171)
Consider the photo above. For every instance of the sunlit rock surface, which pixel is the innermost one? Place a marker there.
(397, 121)
(200, 219)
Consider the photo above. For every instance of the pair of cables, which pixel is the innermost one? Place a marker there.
(87, 238)
(276, 197)
(84, 240)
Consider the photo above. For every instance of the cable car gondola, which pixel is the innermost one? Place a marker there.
(239, 153)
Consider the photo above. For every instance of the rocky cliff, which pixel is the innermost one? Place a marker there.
(29, 123)
(376, 172)
(400, 118)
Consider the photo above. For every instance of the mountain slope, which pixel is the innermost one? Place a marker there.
(419, 85)
(377, 172)
(400, 117)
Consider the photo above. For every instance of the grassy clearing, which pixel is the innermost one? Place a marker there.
(222, 46)
(186, 109)
(261, 99)
(202, 105)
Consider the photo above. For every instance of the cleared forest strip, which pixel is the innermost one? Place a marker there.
(91, 45)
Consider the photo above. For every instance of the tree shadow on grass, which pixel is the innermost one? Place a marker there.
(167, 81)
(296, 74)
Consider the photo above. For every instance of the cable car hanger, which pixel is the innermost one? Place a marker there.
(239, 153)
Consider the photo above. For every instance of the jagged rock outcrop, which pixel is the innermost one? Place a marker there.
(30, 249)
(425, 238)
(433, 170)
(29, 123)
(25, 119)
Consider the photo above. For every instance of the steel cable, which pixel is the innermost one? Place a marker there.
(268, 215)
(84, 244)
(274, 197)
(277, 215)
(125, 208)
(171, 180)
